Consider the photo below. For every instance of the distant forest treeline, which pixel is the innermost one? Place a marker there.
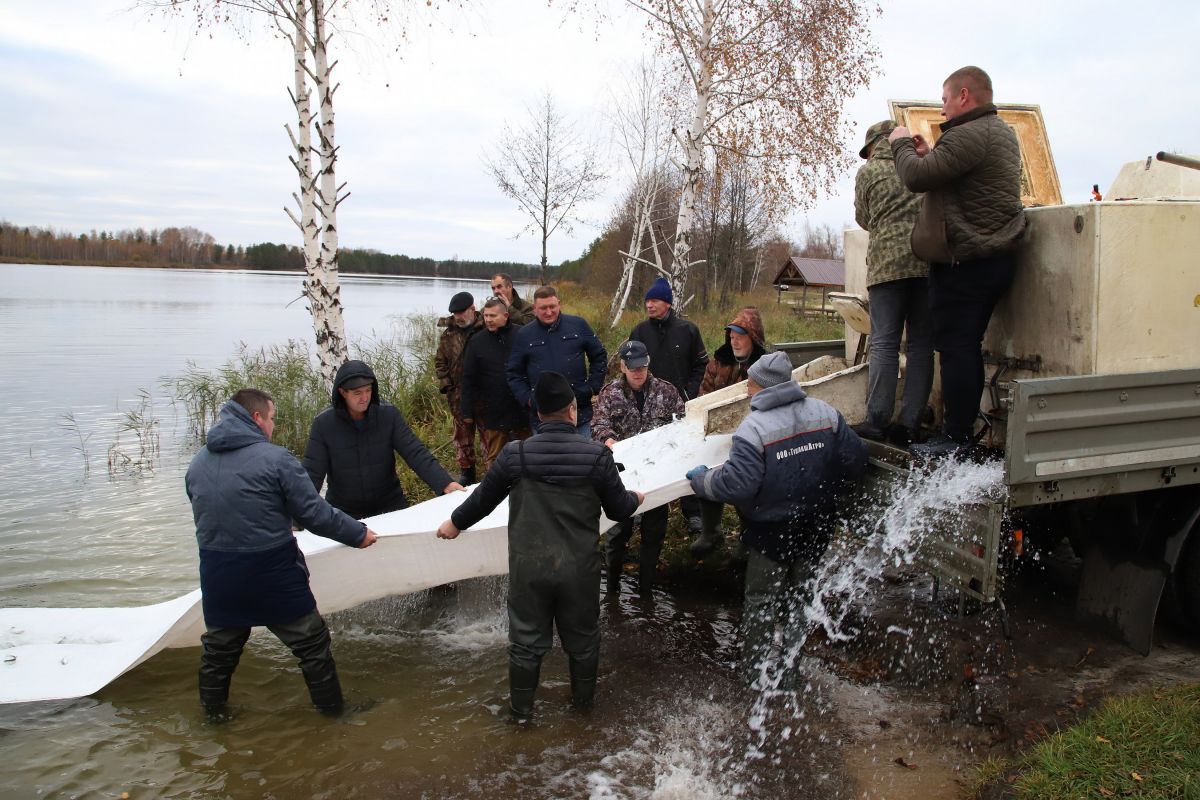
(189, 247)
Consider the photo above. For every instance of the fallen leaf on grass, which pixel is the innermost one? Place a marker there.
(1091, 649)
(1135, 776)
(1103, 791)
(900, 760)
(1102, 739)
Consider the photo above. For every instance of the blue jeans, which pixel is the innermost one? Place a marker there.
(896, 306)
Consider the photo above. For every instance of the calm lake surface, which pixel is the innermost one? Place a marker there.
(83, 345)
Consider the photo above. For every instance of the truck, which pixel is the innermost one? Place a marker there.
(1092, 401)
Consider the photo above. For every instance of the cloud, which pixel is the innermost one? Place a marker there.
(117, 120)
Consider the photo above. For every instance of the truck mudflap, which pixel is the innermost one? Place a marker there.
(1137, 541)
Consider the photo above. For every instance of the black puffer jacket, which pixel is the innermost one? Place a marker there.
(484, 386)
(358, 458)
(677, 351)
(558, 456)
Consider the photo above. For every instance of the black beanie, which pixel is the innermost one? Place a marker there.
(552, 393)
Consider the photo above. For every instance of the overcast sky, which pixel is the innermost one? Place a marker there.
(118, 120)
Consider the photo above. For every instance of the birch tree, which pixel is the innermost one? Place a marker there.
(643, 134)
(549, 168)
(767, 80)
(308, 27)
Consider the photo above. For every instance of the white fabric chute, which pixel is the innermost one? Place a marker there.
(56, 653)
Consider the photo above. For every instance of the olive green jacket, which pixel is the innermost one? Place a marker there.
(972, 184)
(885, 208)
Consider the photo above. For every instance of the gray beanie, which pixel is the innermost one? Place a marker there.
(771, 370)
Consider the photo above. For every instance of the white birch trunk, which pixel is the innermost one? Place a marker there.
(322, 286)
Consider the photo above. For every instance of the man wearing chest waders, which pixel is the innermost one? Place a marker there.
(559, 481)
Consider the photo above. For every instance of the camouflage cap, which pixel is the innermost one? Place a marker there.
(874, 132)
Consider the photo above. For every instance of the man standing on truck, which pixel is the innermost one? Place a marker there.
(970, 222)
(785, 466)
(898, 288)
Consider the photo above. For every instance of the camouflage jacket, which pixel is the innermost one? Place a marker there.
(617, 415)
(448, 360)
(885, 208)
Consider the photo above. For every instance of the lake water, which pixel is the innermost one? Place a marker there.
(428, 670)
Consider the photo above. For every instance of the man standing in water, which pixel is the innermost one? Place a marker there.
(786, 463)
(559, 482)
(245, 492)
(354, 442)
(634, 403)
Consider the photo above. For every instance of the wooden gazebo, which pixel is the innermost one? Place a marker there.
(827, 275)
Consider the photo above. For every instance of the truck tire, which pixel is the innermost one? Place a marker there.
(1185, 582)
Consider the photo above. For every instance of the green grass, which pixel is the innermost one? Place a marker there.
(1145, 744)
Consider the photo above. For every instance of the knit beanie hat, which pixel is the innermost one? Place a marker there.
(660, 290)
(553, 392)
(771, 370)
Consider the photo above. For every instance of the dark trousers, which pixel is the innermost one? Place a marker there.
(654, 531)
(221, 649)
(961, 299)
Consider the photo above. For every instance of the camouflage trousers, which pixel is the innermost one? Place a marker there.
(464, 441)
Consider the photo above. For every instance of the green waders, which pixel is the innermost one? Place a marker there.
(554, 582)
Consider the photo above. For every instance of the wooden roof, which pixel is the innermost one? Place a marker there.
(811, 272)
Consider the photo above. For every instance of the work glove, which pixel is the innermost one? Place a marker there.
(695, 472)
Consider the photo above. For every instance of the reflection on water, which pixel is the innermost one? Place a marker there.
(429, 673)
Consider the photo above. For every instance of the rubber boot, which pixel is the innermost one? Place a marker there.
(468, 476)
(214, 696)
(522, 686)
(710, 537)
(614, 555)
(614, 566)
(326, 694)
(647, 571)
(583, 682)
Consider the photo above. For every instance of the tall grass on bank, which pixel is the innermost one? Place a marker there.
(1145, 744)
(403, 364)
